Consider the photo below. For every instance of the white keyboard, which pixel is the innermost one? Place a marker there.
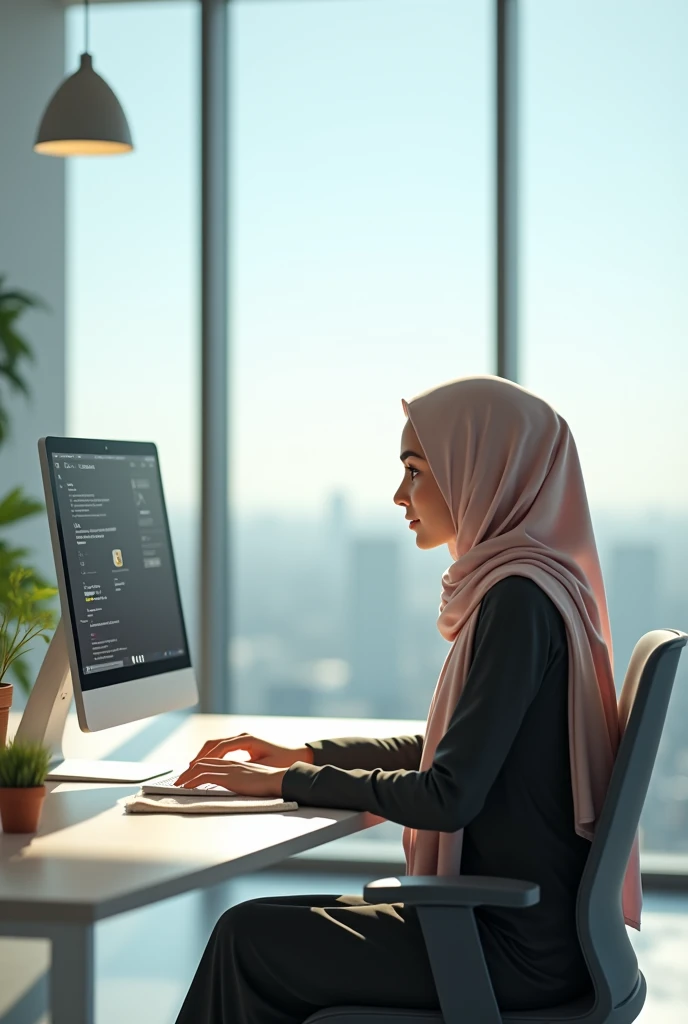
(167, 784)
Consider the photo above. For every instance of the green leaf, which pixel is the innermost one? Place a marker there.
(18, 383)
(10, 558)
(43, 593)
(18, 297)
(23, 616)
(17, 505)
(20, 673)
(14, 348)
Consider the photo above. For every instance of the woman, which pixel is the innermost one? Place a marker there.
(511, 774)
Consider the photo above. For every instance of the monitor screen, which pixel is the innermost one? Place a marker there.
(117, 560)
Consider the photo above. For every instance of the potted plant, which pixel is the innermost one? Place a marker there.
(23, 619)
(15, 505)
(23, 768)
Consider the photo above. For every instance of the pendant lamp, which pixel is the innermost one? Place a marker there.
(83, 117)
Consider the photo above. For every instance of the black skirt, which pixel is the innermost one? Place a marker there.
(278, 959)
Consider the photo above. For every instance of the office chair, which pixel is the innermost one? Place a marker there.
(446, 905)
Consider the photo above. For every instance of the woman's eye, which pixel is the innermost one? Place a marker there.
(413, 470)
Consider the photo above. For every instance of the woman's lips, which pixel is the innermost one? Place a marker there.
(414, 522)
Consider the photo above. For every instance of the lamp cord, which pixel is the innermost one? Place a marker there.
(86, 13)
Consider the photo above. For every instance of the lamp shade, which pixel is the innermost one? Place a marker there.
(83, 118)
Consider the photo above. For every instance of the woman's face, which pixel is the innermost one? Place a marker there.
(421, 497)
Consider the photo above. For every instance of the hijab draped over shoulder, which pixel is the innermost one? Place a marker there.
(507, 466)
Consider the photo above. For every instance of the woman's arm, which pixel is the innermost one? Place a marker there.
(365, 752)
(510, 654)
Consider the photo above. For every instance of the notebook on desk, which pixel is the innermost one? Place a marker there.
(194, 804)
(162, 795)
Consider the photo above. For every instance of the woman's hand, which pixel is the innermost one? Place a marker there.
(261, 776)
(260, 751)
(245, 779)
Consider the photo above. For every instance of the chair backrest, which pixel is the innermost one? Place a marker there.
(642, 711)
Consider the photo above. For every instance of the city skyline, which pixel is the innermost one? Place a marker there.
(295, 658)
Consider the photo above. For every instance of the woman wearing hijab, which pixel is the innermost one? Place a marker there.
(511, 774)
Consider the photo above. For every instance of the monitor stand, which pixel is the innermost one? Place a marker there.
(44, 720)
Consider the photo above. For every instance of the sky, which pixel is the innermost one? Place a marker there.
(362, 238)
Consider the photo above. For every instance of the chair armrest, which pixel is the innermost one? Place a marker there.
(461, 891)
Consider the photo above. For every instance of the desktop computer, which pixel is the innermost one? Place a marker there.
(120, 646)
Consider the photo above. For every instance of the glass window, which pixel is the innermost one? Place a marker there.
(132, 229)
(362, 173)
(605, 309)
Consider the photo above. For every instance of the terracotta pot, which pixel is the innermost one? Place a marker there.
(20, 809)
(6, 690)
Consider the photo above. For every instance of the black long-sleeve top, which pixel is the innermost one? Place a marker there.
(501, 772)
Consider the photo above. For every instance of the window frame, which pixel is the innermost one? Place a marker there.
(214, 611)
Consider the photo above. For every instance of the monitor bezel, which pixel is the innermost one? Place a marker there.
(83, 683)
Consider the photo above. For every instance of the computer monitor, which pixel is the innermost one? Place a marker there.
(121, 644)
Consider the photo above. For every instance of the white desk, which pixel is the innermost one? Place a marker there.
(90, 861)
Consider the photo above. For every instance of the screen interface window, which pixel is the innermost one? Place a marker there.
(119, 562)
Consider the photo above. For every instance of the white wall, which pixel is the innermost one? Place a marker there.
(32, 239)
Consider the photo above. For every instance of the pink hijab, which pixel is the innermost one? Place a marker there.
(507, 466)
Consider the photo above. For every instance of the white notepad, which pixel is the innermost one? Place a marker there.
(144, 804)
